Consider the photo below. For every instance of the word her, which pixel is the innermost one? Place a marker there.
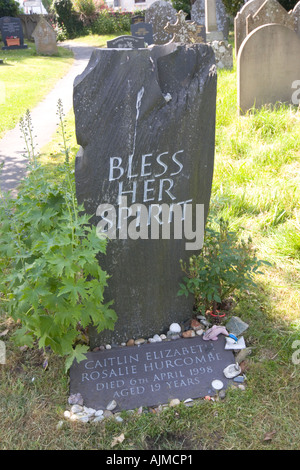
(157, 217)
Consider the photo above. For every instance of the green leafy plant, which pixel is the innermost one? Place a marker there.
(223, 265)
(51, 279)
(9, 8)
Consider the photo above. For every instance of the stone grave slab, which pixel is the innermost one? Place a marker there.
(158, 15)
(126, 42)
(142, 30)
(45, 38)
(268, 55)
(240, 21)
(151, 142)
(222, 22)
(11, 29)
(151, 374)
(270, 12)
(296, 15)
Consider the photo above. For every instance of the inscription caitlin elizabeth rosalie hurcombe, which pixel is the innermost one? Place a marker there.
(151, 374)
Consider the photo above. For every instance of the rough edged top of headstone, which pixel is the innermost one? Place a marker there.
(164, 112)
(270, 12)
(240, 21)
(159, 14)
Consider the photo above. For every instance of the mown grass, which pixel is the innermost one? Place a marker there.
(256, 186)
(26, 78)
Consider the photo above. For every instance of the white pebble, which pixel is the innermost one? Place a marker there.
(98, 418)
(163, 337)
(99, 413)
(119, 419)
(60, 425)
(174, 402)
(76, 409)
(107, 346)
(199, 332)
(67, 414)
(112, 405)
(89, 411)
(157, 338)
(175, 328)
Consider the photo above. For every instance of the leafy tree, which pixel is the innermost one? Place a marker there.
(184, 5)
(9, 8)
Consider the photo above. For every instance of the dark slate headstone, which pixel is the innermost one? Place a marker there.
(145, 120)
(151, 374)
(12, 28)
(138, 19)
(143, 30)
(126, 42)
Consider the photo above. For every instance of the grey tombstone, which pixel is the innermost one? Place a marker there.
(267, 66)
(158, 15)
(126, 42)
(296, 15)
(198, 14)
(150, 140)
(45, 38)
(152, 374)
(12, 28)
(143, 30)
(270, 12)
(240, 21)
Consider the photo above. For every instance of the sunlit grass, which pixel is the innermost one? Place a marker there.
(26, 78)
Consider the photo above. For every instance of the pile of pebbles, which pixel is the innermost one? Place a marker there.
(80, 413)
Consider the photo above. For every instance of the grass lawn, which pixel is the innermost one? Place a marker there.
(256, 187)
(25, 79)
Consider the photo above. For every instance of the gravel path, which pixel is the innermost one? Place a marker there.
(44, 121)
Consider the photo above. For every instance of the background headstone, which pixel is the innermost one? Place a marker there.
(126, 42)
(222, 21)
(164, 112)
(270, 12)
(138, 19)
(158, 15)
(11, 27)
(142, 30)
(240, 21)
(45, 38)
(296, 15)
(267, 65)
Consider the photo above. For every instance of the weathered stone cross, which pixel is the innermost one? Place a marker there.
(184, 31)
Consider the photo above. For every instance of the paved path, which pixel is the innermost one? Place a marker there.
(44, 121)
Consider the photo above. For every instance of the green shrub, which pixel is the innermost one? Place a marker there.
(9, 8)
(50, 278)
(184, 5)
(223, 265)
(67, 18)
(109, 23)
